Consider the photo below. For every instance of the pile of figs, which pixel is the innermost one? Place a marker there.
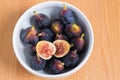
(56, 44)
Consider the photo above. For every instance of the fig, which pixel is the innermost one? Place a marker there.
(78, 43)
(73, 30)
(71, 59)
(57, 27)
(32, 50)
(62, 48)
(29, 36)
(42, 20)
(61, 37)
(37, 63)
(66, 15)
(45, 49)
(56, 66)
(46, 34)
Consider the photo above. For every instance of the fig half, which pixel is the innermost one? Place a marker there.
(62, 48)
(45, 49)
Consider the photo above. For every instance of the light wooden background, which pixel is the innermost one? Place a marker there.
(104, 63)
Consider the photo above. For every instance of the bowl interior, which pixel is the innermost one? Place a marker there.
(52, 9)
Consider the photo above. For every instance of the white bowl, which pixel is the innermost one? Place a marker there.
(50, 8)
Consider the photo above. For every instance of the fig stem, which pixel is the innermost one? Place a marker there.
(64, 7)
(82, 36)
(71, 45)
(57, 35)
(62, 63)
(33, 28)
(35, 13)
(75, 51)
(41, 34)
(38, 57)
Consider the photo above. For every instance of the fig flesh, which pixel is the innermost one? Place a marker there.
(62, 48)
(45, 49)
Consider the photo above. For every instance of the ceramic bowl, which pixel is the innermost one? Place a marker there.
(50, 8)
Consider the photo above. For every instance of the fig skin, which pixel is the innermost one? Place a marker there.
(38, 63)
(57, 26)
(62, 48)
(78, 43)
(46, 34)
(73, 30)
(32, 50)
(45, 49)
(71, 59)
(66, 15)
(61, 37)
(42, 20)
(56, 66)
(29, 36)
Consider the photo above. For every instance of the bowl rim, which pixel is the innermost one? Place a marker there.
(79, 66)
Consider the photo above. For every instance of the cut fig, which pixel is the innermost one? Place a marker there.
(45, 49)
(62, 48)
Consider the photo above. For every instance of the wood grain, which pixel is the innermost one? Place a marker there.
(104, 63)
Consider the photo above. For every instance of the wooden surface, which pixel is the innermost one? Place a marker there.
(104, 63)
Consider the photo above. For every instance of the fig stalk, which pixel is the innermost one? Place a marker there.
(64, 7)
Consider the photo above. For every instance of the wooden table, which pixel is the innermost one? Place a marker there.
(104, 63)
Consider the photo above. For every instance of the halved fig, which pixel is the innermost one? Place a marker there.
(45, 49)
(62, 48)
